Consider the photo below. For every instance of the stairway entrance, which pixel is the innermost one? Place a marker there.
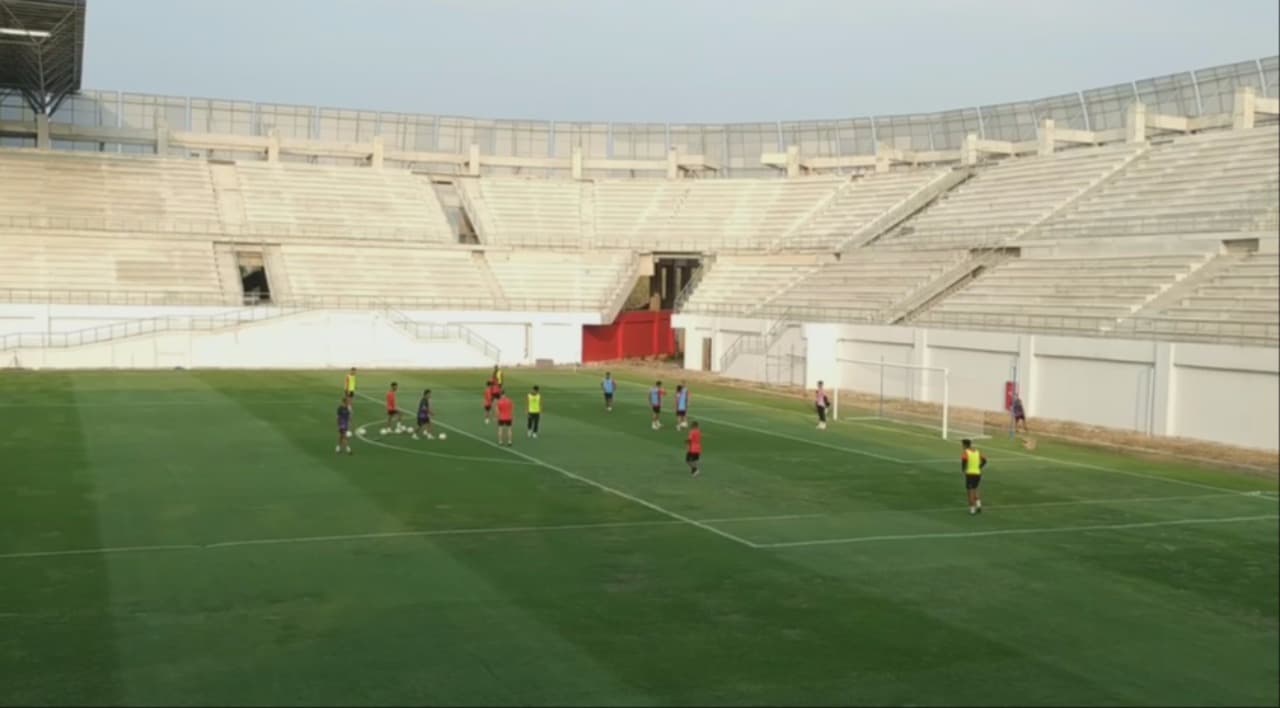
(254, 284)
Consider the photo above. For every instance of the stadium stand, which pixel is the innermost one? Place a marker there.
(1236, 294)
(527, 211)
(856, 205)
(99, 267)
(1071, 293)
(736, 284)
(134, 193)
(1218, 181)
(351, 203)
(1008, 197)
(540, 280)
(379, 274)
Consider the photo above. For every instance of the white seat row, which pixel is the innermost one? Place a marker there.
(384, 272)
(92, 261)
(571, 279)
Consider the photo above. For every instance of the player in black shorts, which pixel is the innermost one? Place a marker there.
(425, 428)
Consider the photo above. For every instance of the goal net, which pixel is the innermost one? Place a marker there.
(907, 394)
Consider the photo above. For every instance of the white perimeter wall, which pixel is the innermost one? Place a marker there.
(1222, 393)
(313, 339)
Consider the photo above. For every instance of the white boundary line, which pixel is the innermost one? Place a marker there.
(1119, 501)
(598, 485)
(1015, 532)
(389, 534)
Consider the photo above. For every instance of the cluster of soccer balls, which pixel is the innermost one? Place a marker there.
(401, 429)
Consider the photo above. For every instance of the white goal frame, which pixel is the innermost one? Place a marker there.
(882, 365)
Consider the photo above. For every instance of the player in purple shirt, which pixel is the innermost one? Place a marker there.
(1019, 415)
(344, 426)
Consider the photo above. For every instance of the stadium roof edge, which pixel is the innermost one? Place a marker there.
(41, 50)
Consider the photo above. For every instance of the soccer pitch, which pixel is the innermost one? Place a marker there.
(192, 538)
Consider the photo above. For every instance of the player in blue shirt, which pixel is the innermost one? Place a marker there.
(655, 402)
(344, 426)
(682, 406)
(425, 427)
(609, 386)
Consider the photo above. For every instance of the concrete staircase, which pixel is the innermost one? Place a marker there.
(953, 279)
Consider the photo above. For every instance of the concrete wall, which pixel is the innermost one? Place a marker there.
(312, 339)
(1221, 393)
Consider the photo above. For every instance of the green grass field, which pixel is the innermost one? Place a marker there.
(191, 538)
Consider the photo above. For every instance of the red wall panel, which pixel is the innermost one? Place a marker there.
(632, 334)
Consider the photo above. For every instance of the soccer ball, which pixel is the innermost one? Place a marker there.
(348, 433)
(442, 436)
(384, 431)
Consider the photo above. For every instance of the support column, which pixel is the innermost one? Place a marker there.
(793, 160)
(473, 160)
(375, 158)
(920, 358)
(575, 162)
(969, 150)
(1164, 394)
(42, 132)
(673, 163)
(884, 158)
(1046, 137)
(1027, 372)
(273, 145)
(1135, 123)
(162, 134)
(1242, 112)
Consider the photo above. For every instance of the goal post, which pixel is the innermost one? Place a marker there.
(907, 394)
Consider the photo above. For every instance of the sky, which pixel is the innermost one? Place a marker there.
(659, 60)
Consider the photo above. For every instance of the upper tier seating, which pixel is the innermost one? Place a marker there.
(1076, 293)
(569, 280)
(383, 203)
(857, 204)
(527, 211)
(147, 269)
(702, 215)
(134, 193)
(1220, 181)
(1009, 196)
(381, 273)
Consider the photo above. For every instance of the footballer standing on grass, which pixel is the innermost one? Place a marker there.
(506, 414)
(971, 463)
(344, 425)
(693, 455)
(425, 428)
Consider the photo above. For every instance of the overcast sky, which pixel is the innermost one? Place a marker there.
(659, 60)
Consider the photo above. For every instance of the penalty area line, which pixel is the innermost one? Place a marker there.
(1018, 532)
(598, 485)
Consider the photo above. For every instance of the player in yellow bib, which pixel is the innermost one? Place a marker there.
(349, 383)
(497, 375)
(535, 412)
(971, 463)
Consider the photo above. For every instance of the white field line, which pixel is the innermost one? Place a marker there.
(1118, 501)
(598, 485)
(1055, 460)
(1018, 532)
(1100, 468)
(816, 443)
(480, 531)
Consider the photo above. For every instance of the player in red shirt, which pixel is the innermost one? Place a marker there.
(393, 411)
(506, 414)
(695, 448)
(491, 391)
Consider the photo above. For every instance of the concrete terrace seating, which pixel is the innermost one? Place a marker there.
(865, 282)
(92, 261)
(347, 201)
(528, 211)
(1214, 181)
(571, 280)
(1248, 291)
(138, 193)
(737, 284)
(1077, 293)
(385, 273)
(857, 205)
(692, 215)
(1004, 198)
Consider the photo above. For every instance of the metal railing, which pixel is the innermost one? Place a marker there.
(142, 326)
(434, 331)
(213, 227)
(31, 296)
